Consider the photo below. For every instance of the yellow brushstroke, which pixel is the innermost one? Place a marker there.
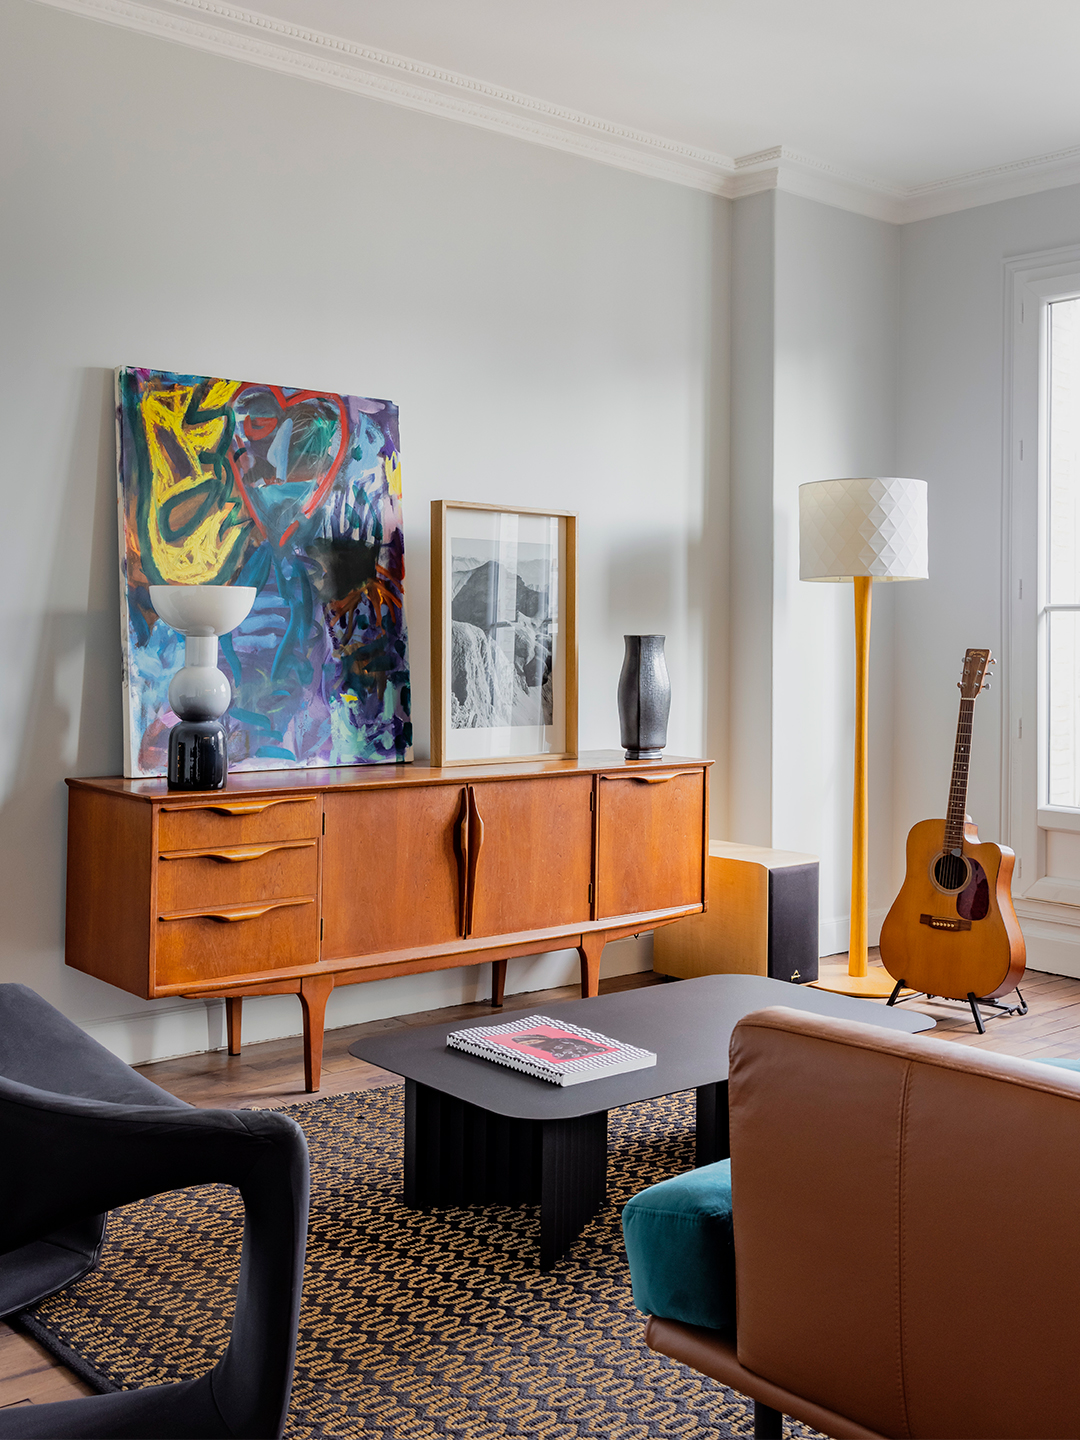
(220, 393)
(202, 554)
(393, 473)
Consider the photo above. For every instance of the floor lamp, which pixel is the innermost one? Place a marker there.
(861, 530)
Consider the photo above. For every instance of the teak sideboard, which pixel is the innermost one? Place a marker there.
(292, 882)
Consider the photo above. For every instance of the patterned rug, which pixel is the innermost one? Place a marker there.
(415, 1324)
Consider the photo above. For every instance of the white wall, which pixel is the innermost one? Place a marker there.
(553, 331)
(836, 337)
(753, 399)
(951, 393)
(814, 332)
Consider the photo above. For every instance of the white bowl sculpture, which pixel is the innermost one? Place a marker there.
(199, 693)
(203, 610)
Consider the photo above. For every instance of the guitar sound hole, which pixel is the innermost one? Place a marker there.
(951, 872)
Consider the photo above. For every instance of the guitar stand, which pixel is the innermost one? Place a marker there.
(973, 1000)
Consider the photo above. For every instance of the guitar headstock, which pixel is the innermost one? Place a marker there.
(976, 664)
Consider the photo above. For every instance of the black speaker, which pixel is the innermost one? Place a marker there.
(762, 918)
(793, 922)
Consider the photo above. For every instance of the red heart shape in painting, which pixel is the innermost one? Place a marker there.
(261, 411)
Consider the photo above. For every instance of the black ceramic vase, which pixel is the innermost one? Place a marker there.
(644, 697)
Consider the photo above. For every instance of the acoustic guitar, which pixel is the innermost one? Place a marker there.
(952, 930)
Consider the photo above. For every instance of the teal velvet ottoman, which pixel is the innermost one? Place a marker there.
(681, 1250)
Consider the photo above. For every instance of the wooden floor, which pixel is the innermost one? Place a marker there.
(271, 1074)
(1049, 1031)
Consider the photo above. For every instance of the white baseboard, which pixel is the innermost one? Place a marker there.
(1052, 947)
(168, 1028)
(834, 932)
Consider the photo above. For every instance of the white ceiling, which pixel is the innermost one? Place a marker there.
(890, 98)
(906, 91)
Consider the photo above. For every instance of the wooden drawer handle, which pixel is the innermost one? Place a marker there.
(652, 779)
(241, 807)
(250, 912)
(236, 853)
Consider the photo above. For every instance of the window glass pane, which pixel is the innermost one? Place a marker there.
(1063, 756)
(1063, 498)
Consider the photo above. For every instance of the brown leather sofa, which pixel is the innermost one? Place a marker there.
(907, 1236)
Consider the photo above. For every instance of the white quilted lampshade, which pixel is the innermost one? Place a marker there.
(869, 526)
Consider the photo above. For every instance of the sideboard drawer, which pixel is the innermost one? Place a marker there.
(238, 822)
(271, 936)
(236, 874)
(650, 854)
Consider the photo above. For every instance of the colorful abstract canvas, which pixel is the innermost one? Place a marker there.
(298, 493)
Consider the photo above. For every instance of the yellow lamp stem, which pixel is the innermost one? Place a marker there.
(860, 803)
(860, 980)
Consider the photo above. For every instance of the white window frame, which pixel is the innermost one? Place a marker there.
(1048, 906)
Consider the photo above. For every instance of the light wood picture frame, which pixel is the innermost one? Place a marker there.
(504, 682)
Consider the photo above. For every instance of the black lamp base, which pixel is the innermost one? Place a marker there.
(198, 755)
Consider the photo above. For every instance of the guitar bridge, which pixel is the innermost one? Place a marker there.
(945, 922)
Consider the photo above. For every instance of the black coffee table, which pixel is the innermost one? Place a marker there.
(476, 1132)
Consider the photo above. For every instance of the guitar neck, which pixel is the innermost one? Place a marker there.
(957, 812)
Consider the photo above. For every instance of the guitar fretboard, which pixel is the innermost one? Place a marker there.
(954, 820)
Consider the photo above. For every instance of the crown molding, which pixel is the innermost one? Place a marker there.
(253, 38)
(782, 169)
(998, 182)
(256, 39)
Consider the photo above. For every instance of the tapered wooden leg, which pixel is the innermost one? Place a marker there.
(234, 1009)
(589, 952)
(314, 993)
(498, 981)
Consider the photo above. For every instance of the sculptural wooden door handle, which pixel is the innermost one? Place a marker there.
(476, 843)
(463, 864)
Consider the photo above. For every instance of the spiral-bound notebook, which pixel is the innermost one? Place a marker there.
(551, 1050)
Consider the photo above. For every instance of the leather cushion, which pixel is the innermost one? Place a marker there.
(680, 1247)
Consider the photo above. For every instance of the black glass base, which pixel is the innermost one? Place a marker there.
(644, 754)
(198, 755)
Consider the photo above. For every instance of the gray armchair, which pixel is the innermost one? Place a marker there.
(82, 1133)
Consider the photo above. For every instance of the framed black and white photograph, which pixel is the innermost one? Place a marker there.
(503, 633)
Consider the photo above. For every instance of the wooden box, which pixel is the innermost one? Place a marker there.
(762, 918)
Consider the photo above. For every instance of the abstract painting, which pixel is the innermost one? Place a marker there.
(504, 672)
(298, 493)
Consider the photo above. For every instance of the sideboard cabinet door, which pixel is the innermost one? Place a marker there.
(393, 875)
(651, 842)
(531, 853)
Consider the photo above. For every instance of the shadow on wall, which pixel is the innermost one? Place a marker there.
(641, 586)
(72, 704)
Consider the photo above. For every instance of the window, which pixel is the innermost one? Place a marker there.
(1041, 772)
(1060, 584)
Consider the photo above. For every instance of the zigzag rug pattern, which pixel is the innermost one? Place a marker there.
(415, 1324)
